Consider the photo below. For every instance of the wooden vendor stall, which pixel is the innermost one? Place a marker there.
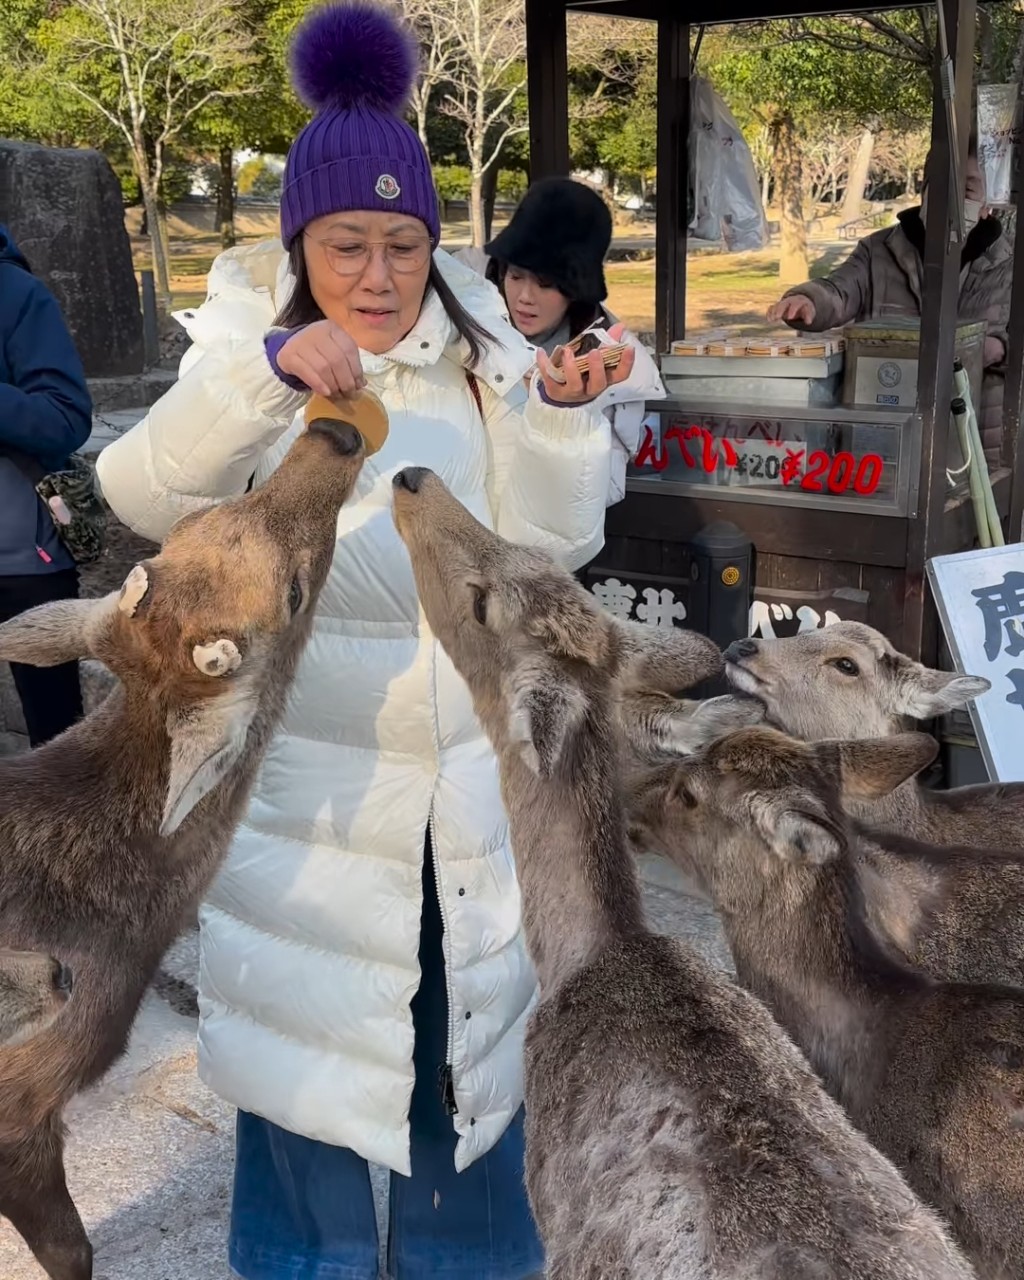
(843, 504)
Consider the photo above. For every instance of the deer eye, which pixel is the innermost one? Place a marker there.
(480, 605)
(846, 666)
(295, 596)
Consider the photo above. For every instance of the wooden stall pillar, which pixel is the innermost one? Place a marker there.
(547, 88)
(673, 175)
(1013, 392)
(939, 305)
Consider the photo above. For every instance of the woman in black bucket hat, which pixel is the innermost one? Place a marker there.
(548, 264)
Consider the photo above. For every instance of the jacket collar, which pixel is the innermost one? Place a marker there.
(985, 244)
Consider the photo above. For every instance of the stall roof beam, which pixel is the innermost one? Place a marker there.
(734, 10)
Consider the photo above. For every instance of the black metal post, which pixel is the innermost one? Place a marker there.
(150, 324)
(547, 88)
(673, 177)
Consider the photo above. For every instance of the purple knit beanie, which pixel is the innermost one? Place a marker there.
(354, 63)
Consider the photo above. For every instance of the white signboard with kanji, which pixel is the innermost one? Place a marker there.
(980, 598)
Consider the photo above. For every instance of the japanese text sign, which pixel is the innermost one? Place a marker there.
(980, 598)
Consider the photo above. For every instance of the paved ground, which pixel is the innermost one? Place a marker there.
(150, 1151)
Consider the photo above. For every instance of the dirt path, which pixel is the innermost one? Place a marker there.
(123, 549)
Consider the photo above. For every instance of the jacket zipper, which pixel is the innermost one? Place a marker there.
(447, 1071)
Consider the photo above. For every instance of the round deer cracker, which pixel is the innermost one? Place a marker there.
(365, 411)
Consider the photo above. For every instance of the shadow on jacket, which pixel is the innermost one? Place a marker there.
(884, 273)
(45, 411)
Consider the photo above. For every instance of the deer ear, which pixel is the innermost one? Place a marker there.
(67, 630)
(669, 659)
(710, 720)
(796, 829)
(545, 716)
(207, 741)
(923, 693)
(52, 634)
(875, 767)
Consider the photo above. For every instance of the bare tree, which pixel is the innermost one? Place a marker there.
(900, 156)
(487, 77)
(438, 49)
(616, 49)
(148, 67)
(826, 165)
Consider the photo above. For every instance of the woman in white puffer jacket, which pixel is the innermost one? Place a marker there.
(364, 986)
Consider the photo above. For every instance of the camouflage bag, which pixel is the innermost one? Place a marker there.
(72, 502)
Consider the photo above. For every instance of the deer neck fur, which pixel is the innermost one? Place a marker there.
(793, 946)
(575, 871)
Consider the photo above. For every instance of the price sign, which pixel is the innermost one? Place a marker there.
(716, 452)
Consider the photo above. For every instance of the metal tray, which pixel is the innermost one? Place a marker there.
(752, 366)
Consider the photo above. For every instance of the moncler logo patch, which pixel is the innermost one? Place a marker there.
(387, 188)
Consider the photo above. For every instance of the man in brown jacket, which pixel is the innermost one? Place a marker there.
(882, 277)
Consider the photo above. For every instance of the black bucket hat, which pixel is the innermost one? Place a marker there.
(561, 232)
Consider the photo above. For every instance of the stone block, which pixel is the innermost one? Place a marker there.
(64, 209)
(112, 395)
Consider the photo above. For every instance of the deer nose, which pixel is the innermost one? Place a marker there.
(740, 649)
(63, 980)
(411, 478)
(343, 435)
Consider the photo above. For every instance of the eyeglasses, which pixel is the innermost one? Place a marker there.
(352, 257)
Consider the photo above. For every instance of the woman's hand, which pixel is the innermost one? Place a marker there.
(580, 389)
(324, 357)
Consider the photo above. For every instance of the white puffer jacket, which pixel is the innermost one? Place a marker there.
(310, 935)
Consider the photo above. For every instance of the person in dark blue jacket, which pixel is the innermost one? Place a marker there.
(45, 413)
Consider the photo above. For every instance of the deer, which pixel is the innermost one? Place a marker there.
(113, 831)
(947, 867)
(847, 681)
(673, 1131)
(34, 988)
(931, 1072)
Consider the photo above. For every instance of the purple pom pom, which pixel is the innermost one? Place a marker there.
(354, 54)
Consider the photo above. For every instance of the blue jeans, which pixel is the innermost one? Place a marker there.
(303, 1210)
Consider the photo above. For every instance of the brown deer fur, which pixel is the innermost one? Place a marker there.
(956, 913)
(847, 681)
(113, 831)
(34, 989)
(933, 1073)
(672, 1129)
